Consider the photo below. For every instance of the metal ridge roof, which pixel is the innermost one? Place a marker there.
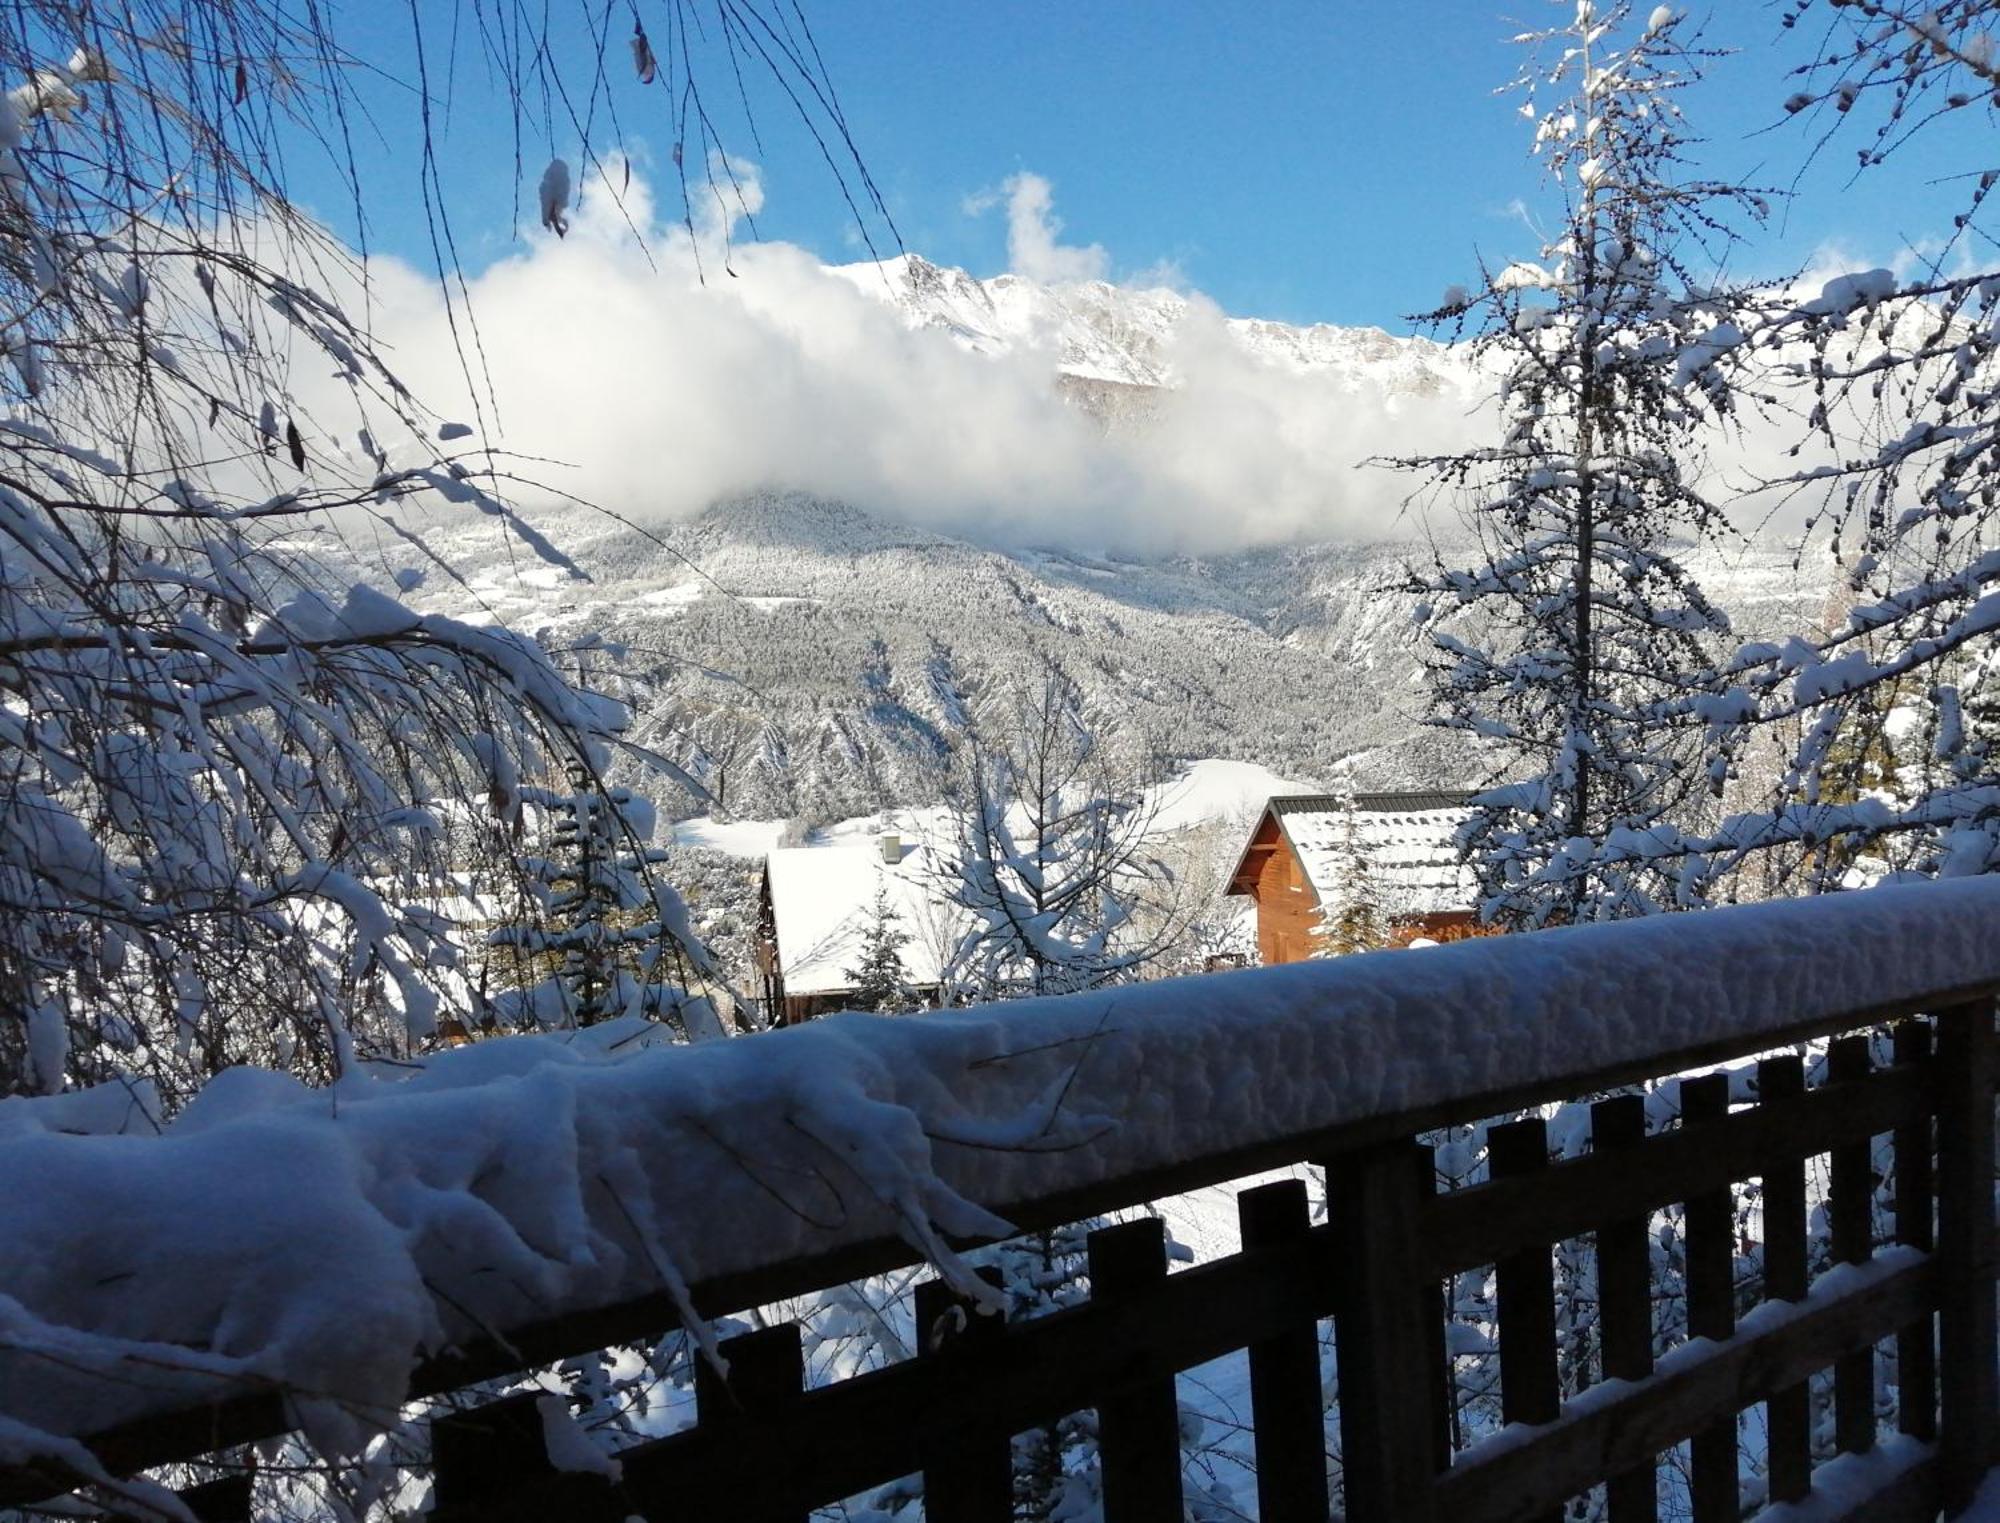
(1407, 801)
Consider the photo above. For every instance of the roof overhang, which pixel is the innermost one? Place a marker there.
(1238, 882)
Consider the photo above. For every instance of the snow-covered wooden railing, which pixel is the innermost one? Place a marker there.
(279, 1258)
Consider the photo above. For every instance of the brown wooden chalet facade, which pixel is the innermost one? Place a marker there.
(1291, 864)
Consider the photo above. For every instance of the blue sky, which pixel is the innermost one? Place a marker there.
(1311, 162)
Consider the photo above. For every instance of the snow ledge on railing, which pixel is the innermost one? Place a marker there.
(329, 1240)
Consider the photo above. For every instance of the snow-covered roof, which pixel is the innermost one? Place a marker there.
(823, 903)
(1407, 840)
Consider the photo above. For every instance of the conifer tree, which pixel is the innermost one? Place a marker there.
(1355, 917)
(880, 981)
(1580, 640)
(1896, 384)
(608, 937)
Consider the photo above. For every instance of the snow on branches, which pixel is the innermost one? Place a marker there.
(1885, 719)
(1048, 854)
(1577, 642)
(233, 784)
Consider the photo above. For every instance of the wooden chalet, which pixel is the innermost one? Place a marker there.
(817, 906)
(1303, 844)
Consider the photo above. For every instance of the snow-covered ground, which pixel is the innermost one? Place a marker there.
(1209, 791)
(1213, 790)
(739, 838)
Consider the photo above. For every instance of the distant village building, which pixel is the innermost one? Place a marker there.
(1307, 853)
(817, 906)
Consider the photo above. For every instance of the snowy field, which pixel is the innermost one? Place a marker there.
(1208, 792)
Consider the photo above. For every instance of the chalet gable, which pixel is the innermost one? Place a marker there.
(1409, 839)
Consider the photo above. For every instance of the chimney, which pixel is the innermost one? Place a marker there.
(892, 848)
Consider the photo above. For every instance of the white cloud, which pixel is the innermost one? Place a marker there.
(657, 393)
(1034, 233)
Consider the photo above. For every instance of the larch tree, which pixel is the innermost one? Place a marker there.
(1894, 378)
(231, 776)
(1047, 852)
(1579, 640)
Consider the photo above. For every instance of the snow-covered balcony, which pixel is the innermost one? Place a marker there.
(280, 1259)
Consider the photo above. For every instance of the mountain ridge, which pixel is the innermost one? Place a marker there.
(816, 659)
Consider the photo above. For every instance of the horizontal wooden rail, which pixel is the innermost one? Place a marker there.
(1619, 1425)
(1479, 1224)
(765, 1449)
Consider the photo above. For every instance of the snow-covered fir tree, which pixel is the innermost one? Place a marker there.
(608, 935)
(1578, 642)
(880, 981)
(1047, 853)
(1355, 916)
(1895, 377)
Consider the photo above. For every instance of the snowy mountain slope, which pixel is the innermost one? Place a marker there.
(1121, 337)
(807, 660)
(811, 659)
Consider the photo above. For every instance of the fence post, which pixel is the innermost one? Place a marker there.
(971, 1480)
(766, 1370)
(1625, 1297)
(1138, 1430)
(1381, 1302)
(1525, 1282)
(1787, 1415)
(1711, 1303)
(1916, 1346)
(1287, 1406)
(1851, 1197)
(1967, 1379)
(220, 1501)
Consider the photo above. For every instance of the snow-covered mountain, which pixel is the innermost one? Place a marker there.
(1120, 336)
(807, 660)
(811, 659)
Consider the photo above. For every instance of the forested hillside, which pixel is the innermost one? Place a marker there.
(806, 660)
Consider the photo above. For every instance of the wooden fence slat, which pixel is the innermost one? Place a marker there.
(1474, 1227)
(220, 1501)
(1511, 1482)
(1788, 1414)
(767, 1373)
(1138, 1430)
(1968, 1378)
(970, 1480)
(1437, 1326)
(1916, 1345)
(1287, 1405)
(1711, 1302)
(1625, 1297)
(1374, 1200)
(486, 1456)
(1525, 1290)
(1850, 1208)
